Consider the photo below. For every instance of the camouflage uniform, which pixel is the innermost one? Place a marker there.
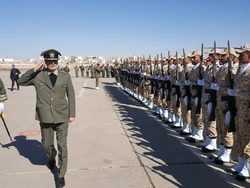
(175, 104)
(242, 84)
(3, 94)
(210, 126)
(186, 114)
(196, 119)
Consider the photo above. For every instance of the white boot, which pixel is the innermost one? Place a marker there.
(206, 142)
(165, 114)
(151, 105)
(177, 122)
(146, 102)
(212, 146)
(237, 168)
(170, 117)
(186, 129)
(162, 112)
(198, 137)
(245, 171)
(194, 132)
(222, 148)
(225, 157)
(157, 111)
(184, 126)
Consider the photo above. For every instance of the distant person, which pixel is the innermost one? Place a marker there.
(76, 71)
(55, 107)
(14, 75)
(66, 68)
(82, 70)
(108, 70)
(97, 71)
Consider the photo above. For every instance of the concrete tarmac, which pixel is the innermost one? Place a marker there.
(114, 142)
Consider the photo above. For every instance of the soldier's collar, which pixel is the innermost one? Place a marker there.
(55, 72)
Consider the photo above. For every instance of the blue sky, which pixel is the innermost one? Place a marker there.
(111, 28)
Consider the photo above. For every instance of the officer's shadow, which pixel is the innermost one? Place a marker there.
(32, 150)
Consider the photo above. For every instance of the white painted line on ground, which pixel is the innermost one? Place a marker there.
(83, 88)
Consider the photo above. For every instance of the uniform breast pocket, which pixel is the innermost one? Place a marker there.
(63, 88)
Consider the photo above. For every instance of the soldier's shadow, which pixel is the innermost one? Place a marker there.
(30, 149)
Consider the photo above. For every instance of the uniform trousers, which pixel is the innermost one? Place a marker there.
(242, 141)
(47, 131)
(226, 138)
(210, 126)
(196, 119)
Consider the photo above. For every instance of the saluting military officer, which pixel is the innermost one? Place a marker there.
(55, 107)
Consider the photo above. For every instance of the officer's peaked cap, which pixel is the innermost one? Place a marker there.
(51, 54)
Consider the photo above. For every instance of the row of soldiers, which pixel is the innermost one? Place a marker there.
(88, 71)
(208, 99)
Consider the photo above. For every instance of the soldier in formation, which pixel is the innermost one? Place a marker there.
(206, 100)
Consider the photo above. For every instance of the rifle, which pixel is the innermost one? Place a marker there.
(163, 86)
(4, 123)
(169, 85)
(177, 86)
(186, 87)
(212, 92)
(151, 75)
(230, 99)
(156, 78)
(198, 87)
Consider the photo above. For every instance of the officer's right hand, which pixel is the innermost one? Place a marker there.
(39, 67)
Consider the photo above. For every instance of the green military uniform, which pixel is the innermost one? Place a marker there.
(54, 106)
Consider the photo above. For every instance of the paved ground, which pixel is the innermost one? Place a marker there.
(114, 142)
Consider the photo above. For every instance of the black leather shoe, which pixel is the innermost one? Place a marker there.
(193, 140)
(218, 161)
(52, 164)
(204, 149)
(60, 182)
(184, 133)
(240, 178)
(229, 170)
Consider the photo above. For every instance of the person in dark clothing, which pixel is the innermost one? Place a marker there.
(14, 75)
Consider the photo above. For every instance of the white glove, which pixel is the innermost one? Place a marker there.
(177, 82)
(201, 82)
(227, 118)
(1, 108)
(215, 86)
(196, 101)
(209, 108)
(168, 77)
(187, 82)
(185, 101)
(232, 92)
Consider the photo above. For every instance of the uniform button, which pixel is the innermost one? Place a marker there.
(52, 99)
(51, 106)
